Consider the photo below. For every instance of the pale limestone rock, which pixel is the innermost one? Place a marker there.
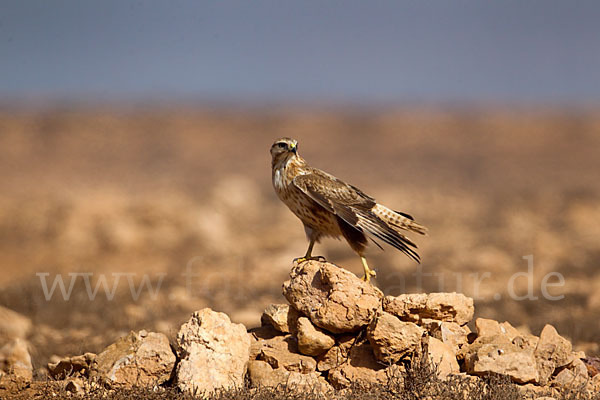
(595, 383)
(15, 360)
(313, 383)
(578, 367)
(258, 337)
(532, 391)
(361, 369)
(333, 298)
(13, 325)
(450, 333)
(213, 352)
(552, 351)
(312, 341)
(442, 357)
(138, 359)
(72, 366)
(75, 386)
(337, 355)
(332, 358)
(262, 374)
(497, 354)
(281, 317)
(489, 327)
(526, 341)
(393, 339)
(282, 352)
(449, 307)
(575, 376)
(593, 366)
(511, 331)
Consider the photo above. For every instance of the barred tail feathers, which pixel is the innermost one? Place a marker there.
(398, 220)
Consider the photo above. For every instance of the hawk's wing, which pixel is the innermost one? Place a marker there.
(353, 206)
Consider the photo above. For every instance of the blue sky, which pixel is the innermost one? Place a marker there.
(333, 51)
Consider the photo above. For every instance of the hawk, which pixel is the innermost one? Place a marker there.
(328, 206)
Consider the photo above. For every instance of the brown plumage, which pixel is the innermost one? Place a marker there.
(328, 206)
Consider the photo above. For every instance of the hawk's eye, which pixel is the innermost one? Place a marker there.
(282, 145)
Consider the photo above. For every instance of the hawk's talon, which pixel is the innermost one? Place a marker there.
(368, 271)
(368, 276)
(316, 258)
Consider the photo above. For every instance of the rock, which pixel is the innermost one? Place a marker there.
(282, 352)
(489, 327)
(258, 337)
(139, 359)
(552, 351)
(13, 325)
(264, 332)
(595, 384)
(281, 317)
(361, 369)
(579, 368)
(531, 391)
(261, 374)
(72, 366)
(312, 383)
(393, 339)
(312, 341)
(526, 341)
(213, 352)
(333, 298)
(568, 379)
(575, 376)
(442, 357)
(449, 307)
(75, 386)
(15, 360)
(337, 355)
(332, 358)
(498, 355)
(450, 333)
(593, 366)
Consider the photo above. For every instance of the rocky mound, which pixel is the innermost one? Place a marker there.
(337, 331)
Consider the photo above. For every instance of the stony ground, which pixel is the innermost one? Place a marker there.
(184, 197)
(338, 337)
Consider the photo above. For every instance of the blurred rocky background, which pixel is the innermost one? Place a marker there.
(182, 200)
(135, 181)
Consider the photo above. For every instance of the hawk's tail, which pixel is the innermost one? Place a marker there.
(398, 220)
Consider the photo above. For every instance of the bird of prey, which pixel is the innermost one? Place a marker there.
(329, 207)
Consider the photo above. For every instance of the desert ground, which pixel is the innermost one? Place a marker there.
(172, 209)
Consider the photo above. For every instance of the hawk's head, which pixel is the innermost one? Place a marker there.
(283, 149)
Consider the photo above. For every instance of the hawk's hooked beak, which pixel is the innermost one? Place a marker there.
(294, 148)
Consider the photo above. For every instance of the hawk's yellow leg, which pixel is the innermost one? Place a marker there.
(308, 255)
(368, 272)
